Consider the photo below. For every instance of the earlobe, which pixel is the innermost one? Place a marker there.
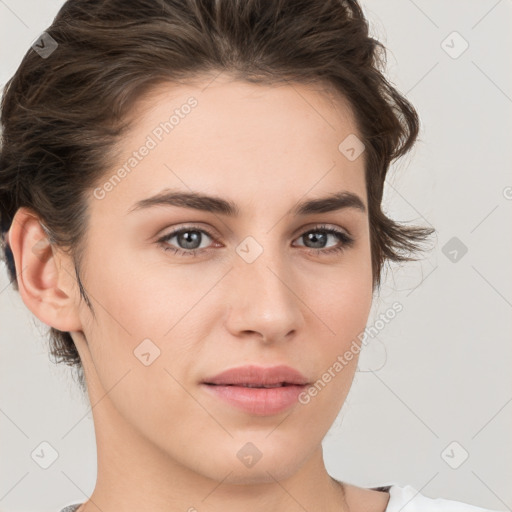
(45, 284)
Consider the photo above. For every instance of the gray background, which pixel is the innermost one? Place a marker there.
(434, 386)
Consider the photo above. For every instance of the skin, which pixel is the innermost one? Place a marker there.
(163, 443)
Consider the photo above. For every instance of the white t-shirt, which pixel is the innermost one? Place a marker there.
(408, 499)
(402, 499)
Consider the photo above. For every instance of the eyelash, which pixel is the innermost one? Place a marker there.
(346, 241)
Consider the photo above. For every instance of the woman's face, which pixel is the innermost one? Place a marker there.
(261, 284)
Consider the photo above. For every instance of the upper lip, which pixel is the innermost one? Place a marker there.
(257, 375)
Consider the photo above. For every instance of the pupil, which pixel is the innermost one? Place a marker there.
(190, 239)
(314, 236)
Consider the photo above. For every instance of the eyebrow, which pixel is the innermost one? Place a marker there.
(214, 204)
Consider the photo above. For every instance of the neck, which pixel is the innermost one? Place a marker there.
(134, 475)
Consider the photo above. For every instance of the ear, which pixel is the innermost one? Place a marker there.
(46, 276)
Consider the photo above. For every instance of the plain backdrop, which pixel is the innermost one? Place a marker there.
(431, 403)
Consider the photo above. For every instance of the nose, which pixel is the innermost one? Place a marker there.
(264, 299)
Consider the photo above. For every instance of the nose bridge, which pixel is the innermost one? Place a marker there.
(262, 299)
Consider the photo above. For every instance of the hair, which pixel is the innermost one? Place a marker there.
(62, 115)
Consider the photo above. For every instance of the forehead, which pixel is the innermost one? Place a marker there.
(238, 140)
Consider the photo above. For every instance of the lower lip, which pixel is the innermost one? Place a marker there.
(259, 401)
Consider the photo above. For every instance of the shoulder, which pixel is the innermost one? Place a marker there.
(391, 497)
(71, 508)
(408, 499)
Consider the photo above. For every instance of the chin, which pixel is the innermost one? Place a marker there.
(264, 474)
(245, 464)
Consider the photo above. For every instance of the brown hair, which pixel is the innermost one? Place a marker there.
(62, 114)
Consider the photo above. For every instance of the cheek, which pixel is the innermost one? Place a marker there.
(133, 299)
(133, 359)
(343, 310)
(344, 301)
(140, 317)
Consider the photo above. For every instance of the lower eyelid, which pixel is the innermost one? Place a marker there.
(343, 238)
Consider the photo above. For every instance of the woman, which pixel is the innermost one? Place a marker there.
(191, 200)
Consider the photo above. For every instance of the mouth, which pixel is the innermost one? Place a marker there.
(260, 386)
(259, 377)
(258, 391)
(257, 386)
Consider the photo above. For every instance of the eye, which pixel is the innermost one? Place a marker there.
(190, 239)
(344, 240)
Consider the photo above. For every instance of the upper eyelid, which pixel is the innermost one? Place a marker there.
(325, 225)
(314, 227)
(193, 227)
